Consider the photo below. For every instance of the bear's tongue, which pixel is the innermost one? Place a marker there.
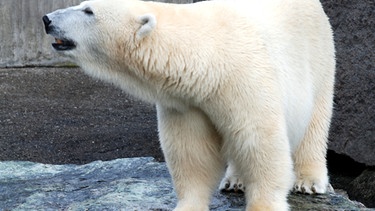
(62, 44)
(58, 41)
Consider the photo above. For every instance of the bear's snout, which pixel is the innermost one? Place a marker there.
(61, 43)
(46, 22)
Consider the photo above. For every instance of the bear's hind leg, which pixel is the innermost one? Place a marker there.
(310, 155)
(191, 147)
(232, 181)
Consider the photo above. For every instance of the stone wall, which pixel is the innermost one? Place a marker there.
(23, 41)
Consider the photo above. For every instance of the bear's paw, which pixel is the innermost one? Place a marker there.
(232, 183)
(312, 186)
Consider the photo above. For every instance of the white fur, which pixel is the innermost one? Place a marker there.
(246, 81)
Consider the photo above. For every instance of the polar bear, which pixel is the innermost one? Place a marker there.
(248, 83)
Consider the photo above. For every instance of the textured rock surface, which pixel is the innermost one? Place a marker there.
(122, 184)
(353, 125)
(363, 188)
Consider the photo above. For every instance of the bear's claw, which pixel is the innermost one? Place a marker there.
(311, 188)
(232, 185)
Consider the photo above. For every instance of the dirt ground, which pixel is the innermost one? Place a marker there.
(60, 115)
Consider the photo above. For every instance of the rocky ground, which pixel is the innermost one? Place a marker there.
(121, 184)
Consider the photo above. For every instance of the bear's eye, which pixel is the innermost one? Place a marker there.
(88, 11)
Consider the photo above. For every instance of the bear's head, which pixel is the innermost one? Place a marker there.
(98, 28)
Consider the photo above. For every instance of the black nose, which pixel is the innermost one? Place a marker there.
(46, 22)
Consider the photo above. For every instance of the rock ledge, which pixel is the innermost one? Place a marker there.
(122, 184)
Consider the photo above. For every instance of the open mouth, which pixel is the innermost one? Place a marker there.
(63, 44)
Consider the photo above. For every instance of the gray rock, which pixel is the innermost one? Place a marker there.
(122, 184)
(363, 188)
(353, 124)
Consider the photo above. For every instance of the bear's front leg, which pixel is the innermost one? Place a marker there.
(258, 147)
(264, 162)
(191, 147)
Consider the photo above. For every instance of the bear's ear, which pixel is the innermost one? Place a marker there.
(148, 23)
